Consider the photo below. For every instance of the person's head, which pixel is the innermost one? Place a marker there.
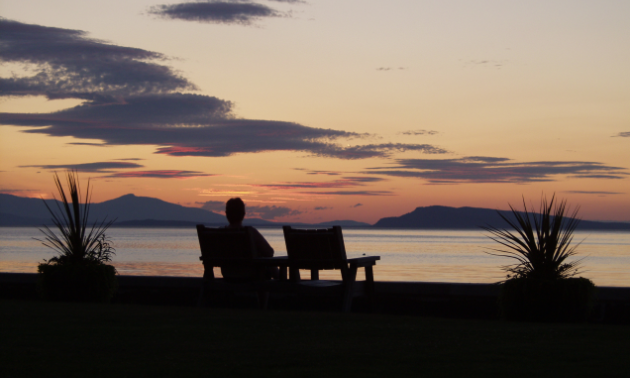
(235, 210)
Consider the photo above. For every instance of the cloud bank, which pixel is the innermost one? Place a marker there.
(133, 101)
(164, 174)
(481, 169)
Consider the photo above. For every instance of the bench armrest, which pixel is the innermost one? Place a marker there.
(364, 261)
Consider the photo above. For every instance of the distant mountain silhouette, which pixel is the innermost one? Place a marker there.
(21, 211)
(132, 211)
(443, 217)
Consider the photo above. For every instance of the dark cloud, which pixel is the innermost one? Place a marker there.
(172, 174)
(270, 212)
(217, 206)
(88, 144)
(419, 132)
(216, 11)
(327, 173)
(130, 159)
(18, 192)
(342, 183)
(611, 177)
(354, 193)
(317, 208)
(131, 102)
(624, 134)
(591, 192)
(103, 167)
(68, 64)
(480, 169)
(378, 150)
(196, 125)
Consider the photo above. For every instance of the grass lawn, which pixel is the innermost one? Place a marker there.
(40, 339)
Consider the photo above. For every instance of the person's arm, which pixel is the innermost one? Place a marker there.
(262, 246)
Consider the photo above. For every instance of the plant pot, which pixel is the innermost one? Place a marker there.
(91, 282)
(560, 300)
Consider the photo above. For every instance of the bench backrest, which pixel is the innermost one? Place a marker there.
(325, 246)
(224, 244)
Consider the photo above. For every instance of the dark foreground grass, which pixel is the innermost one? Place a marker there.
(40, 339)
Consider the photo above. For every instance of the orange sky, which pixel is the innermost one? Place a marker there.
(321, 110)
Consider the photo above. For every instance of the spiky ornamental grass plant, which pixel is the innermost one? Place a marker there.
(542, 242)
(78, 243)
(79, 272)
(540, 286)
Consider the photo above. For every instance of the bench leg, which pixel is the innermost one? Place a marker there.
(370, 290)
(349, 277)
(294, 274)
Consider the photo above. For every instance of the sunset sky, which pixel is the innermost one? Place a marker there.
(320, 110)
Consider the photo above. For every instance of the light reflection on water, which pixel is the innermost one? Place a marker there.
(406, 255)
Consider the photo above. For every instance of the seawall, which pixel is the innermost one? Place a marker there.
(452, 300)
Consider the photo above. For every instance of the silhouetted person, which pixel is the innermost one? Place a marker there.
(235, 213)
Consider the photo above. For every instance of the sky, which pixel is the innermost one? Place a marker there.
(320, 110)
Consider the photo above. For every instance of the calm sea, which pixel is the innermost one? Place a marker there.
(406, 255)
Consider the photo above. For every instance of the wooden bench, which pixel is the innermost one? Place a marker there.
(324, 249)
(235, 248)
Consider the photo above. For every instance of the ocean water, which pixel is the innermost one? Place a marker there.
(406, 255)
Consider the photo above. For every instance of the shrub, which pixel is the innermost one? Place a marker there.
(80, 271)
(540, 286)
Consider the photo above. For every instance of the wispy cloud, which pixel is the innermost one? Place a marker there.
(357, 205)
(271, 212)
(88, 144)
(342, 183)
(313, 172)
(217, 206)
(624, 134)
(264, 212)
(319, 208)
(480, 169)
(391, 68)
(419, 132)
(102, 167)
(166, 174)
(592, 192)
(484, 63)
(353, 193)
